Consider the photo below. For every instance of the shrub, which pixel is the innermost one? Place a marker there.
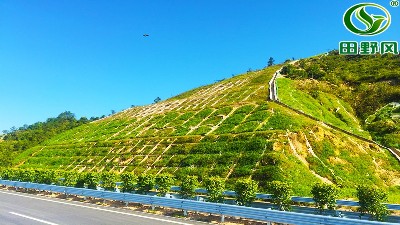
(281, 194)
(188, 186)
(90, 179)
(44, 176)
(370, 200)
(215, 187)
(8, 174)
(145, 183)
(108, 180)
(26, 175)
(128, 182)
(324, 196)
(245, 191)
(164, 182)
(70, 178)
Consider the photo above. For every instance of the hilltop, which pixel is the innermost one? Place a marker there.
(230, 129)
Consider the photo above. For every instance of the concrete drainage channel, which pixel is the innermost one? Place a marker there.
(222, 210)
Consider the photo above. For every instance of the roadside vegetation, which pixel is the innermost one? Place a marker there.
(371, 199)
(227, 130)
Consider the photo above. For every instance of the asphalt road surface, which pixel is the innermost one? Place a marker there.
(24, 209)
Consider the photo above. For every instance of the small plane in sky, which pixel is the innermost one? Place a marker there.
(145, 35)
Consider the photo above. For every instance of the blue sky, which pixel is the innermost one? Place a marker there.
(90, 57)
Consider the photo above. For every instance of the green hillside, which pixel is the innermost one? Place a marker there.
(365, 85)
(227, 129)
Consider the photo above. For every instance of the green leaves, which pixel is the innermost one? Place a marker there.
(164, 182)
(128, 181)
(188, 186)
(371, 201)
(325, 196)
(145, 183)
(90, 179)
(245, 191)
(281, 194)
(108, 180)
(215, 187)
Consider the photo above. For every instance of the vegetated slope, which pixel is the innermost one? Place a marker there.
(226, 129)
(364, 84)
(16, 140)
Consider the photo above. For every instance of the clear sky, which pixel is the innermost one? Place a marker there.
(90, 57)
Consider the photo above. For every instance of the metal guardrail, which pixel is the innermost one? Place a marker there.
(205, 207)
(294, 198)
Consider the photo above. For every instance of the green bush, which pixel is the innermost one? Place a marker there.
(325, 196)
(164, 182)
(90, 180)
(245, 191)
(70, 178)
(371, 202)
(281, 194)
(188, 186)
(145, 183)
(128, 181)
(44, 176)
(215, 187)
(107, 180)
(8, 174)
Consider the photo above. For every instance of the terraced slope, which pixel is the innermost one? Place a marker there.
(228, 129)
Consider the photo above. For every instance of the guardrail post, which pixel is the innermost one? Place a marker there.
(222, 218)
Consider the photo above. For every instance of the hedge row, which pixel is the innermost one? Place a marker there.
(324, 195)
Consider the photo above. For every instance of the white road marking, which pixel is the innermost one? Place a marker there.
(96, 208)
(32, 218)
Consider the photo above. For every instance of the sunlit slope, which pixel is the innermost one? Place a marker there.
(323, 106)
(227, 129)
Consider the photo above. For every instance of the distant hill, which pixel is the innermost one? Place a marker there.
(230, 129)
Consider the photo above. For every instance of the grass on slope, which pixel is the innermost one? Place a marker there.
(324, 106)
(227, 129)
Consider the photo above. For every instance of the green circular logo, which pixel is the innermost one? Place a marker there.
(374, 24)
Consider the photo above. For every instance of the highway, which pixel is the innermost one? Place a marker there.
(24, 209)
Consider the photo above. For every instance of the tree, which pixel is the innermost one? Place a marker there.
(215, 187)
(70, 178)
(164, 182)
(108, 180)
(91, 179)
(157, 100)
(128, 182)
(188, 186)
(271, 61)
(145, 183)
(281, 194)
(245, 191)
(325, 196)
(67, 115)
(370, 200)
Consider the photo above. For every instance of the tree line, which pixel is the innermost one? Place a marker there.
(324, 195)
(19, 139)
